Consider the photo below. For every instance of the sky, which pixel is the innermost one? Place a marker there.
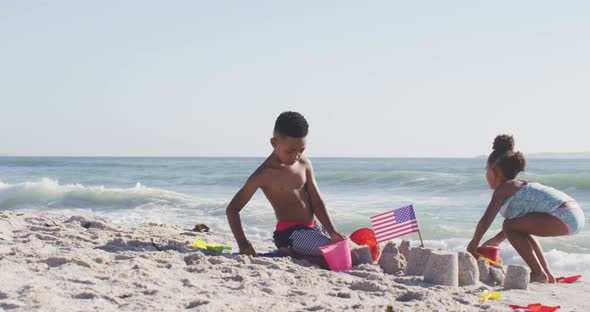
(373, 78)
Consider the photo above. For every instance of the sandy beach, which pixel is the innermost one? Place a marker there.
(69, 263)
(430, 127)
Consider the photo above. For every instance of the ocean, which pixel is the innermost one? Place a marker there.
(449, 195)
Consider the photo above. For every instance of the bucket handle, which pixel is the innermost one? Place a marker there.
(492, 262)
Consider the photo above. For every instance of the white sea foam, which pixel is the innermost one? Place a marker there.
(49, 193)
(137, 204)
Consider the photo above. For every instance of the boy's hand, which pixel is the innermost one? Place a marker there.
(246, 248)
(337, 236)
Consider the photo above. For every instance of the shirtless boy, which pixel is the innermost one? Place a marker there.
(286, 177)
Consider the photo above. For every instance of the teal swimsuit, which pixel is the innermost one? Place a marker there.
(536, 197)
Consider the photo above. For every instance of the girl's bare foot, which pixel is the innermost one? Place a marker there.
(550, 278)
(539, 277)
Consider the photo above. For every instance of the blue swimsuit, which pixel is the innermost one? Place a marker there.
(536, 197)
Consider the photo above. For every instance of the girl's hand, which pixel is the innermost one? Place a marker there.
(492, 242)
(337, 236)
(472, 248)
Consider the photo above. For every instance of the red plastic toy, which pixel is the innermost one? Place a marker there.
(536, 307)
(366, 236)
(568, 279)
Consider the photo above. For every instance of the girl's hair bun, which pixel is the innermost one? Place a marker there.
(521, 161)
(503, 142)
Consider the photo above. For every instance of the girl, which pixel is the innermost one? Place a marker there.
(529, 208)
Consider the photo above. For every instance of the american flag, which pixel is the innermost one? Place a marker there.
(394, 223)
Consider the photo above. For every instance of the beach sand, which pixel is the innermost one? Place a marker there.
(68, 263)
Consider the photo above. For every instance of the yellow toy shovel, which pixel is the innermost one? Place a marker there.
(489, 294)
(215, 247)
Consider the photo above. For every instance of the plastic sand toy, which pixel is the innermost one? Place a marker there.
(489, 294)
(536, 307)
(214, 247)
(366, 236)
(491, 254)
(569, 279)
(337, 255)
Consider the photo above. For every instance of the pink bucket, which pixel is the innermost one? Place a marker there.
(337, 255)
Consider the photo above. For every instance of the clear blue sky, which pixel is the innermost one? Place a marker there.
(373, 78)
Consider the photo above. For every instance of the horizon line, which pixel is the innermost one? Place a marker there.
(160, 156)
(555, 155)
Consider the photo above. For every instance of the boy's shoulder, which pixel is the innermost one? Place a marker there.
(268, 165)
(262, 168)
(304, 160)
(305, 163)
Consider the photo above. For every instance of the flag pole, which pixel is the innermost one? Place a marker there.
(419, 234)
(421, 242)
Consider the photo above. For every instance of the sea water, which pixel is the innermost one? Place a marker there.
(449, 195)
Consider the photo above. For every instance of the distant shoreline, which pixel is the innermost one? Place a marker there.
(560, 155)
(573, 156)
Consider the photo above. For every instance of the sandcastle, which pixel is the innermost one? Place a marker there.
(517, 277)
(442, 268)
(448, 268)
(452, 269)
(404, 248)
(484, 271)
(468, 269)
(497, 276)
(361, 255)
(418, 260)
(490, 275)
(392, 261)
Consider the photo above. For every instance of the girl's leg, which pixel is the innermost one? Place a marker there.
(539, 253)
(519, 231)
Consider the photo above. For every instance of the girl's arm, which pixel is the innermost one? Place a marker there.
(498, 198)
(496, 240)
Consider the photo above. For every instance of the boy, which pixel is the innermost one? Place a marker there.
(287, 180)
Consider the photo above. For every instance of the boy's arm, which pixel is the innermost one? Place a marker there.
(233, 214)
(317, 204)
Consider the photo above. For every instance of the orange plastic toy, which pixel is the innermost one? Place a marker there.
(568, 279)
(366, 236)
(536, 307)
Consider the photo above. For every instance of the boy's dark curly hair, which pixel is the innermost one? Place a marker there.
(291, 124)
(510, 162)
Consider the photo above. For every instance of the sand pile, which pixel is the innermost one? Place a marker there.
(59, 263)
